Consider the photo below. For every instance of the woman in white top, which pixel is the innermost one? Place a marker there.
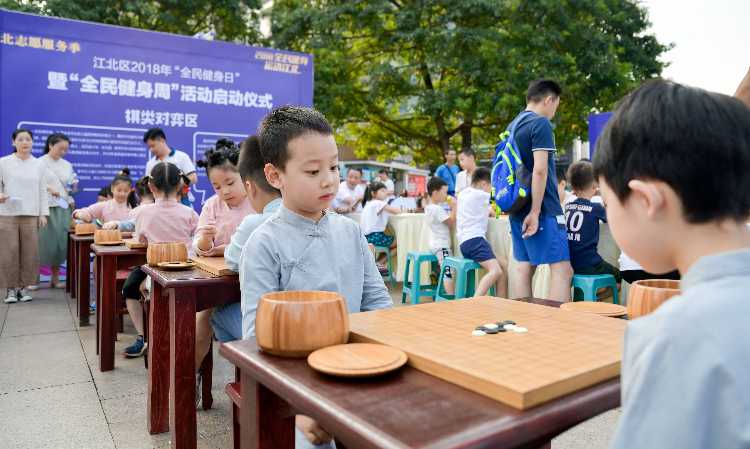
(53, 239)
(23, 210)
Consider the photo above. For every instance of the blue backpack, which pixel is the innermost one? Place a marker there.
(511, 181)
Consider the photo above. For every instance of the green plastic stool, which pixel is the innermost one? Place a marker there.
(414, 288)
(464, 278)
(588, 284)
(387, 251)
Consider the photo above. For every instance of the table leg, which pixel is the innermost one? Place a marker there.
(82, 280)
(106, 309)
(97, 285)
(266, 421)
(69, 264)
(158, 362)
(182, 367)
(207, 376)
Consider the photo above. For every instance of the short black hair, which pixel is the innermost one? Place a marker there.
(224, 154)
(448, 150)
(469, 152)
(153, 134)
(434, 184)
(251, 165)
(560, 173)
(481, 174)
(284, 124)
(382, 171)
(166, 178)
(581, 175)
(54, 139)
(540, 89)
(348, 169)
(695, 141)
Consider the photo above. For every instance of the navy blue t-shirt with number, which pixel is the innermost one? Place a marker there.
(582, 218)
(534, 133)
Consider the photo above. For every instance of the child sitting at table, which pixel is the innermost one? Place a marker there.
(118, 208)
(166, 220)
(472, 218)
(582, 217)
(440, 222)
(144, 197)
(375, 213)
(672, 165)
(227, 320)
(304, 246)
(219, 218)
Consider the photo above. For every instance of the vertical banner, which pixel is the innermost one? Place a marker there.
(104, 86)
(596, 125)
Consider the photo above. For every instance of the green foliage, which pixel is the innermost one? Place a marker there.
(419, 76)
(232, 20)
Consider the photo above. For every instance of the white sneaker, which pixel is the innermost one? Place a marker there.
(11, 298)
(24, 295)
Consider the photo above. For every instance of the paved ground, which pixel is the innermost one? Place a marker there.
(52, 394)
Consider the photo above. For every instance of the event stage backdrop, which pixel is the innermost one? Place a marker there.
(104, 86)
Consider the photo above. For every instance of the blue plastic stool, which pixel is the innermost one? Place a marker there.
(464, 278)
(414, 288)
(387, 251)
(588, 284)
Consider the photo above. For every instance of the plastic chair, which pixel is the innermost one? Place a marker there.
(464, 278)
(414, 289)
(588, 284)
(387, 251)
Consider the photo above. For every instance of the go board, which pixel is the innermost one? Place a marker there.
(214, 265)
(135, 244)
(562, 351)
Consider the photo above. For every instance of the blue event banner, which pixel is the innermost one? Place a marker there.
(104, 86)
(596, 126)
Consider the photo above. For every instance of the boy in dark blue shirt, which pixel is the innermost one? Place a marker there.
(582, 218)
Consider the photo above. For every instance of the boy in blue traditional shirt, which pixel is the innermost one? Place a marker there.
(305, 246)
(582, 218)
(673, 165)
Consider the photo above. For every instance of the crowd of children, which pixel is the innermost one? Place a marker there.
(284, 181)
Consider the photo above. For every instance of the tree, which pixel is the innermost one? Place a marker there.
(231, 20)
(422, 76)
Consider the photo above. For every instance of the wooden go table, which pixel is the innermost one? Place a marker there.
(109, 260)
(404, 409)
(175, 298)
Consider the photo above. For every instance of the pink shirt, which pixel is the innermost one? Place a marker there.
(226, 219)
(109, 210)
(166, 221)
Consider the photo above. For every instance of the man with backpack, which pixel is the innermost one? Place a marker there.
(537, 223)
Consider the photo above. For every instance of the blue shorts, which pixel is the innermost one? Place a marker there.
(380, 239)
(227, 322)
(477, 249)
(549, 245)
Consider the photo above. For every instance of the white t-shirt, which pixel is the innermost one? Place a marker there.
(463, 180)
(374, 218)
(441, 233)
(628, 264)
(472, 215)
(178, 158)
(346, 196)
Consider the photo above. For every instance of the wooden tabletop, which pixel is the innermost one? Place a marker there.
(115, 250)
(82, 238)
(411, 409)
(194, 277)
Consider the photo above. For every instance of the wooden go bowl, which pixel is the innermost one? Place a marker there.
(107, 235)
(296, 323)
(647, 295)
(85, 228)
(166, 252)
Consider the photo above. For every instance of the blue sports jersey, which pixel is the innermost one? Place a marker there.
(534, 133)
(582, 218)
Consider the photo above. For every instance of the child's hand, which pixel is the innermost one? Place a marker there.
(312, 431)
(110, 225)
(82, 215)
(206, 234)
(3, 198)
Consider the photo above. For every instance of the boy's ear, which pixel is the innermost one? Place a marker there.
(648, 195)
(273, 176)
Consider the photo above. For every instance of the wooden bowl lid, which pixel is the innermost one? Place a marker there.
(357, 360)
(661, 284)
(301, 296)
(598, 308)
